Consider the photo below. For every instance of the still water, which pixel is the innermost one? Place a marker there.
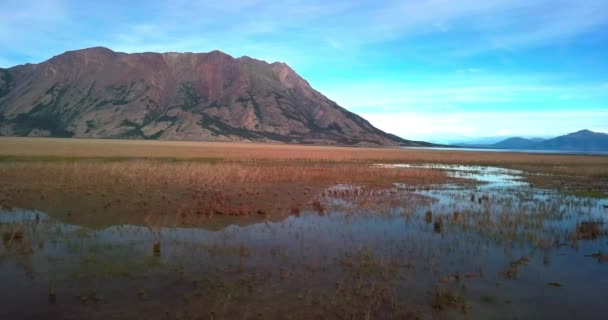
(495, 248)
(600, 153)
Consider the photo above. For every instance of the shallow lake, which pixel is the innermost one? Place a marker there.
(539, 151)
(494, 248)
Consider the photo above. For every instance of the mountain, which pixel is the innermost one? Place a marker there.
(498, 143)
(583, 140)
(99, 93)
(580, 141)
(516, 143)
(479, 141)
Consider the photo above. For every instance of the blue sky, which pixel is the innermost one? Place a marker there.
(437, 70)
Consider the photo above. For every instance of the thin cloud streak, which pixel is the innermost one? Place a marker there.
(437, 96)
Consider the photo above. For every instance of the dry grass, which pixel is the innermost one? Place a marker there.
(100, 193)
(51, 148)
(230, 179)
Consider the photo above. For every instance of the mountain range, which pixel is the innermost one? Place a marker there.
(517, 143)
(582, 141)
(99, 93)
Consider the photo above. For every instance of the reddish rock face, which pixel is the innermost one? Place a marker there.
(100, 93)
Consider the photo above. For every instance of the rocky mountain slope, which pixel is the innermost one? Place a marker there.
(99, 93)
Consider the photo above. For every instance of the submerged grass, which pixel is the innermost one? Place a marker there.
(131, 191)
(358, 246)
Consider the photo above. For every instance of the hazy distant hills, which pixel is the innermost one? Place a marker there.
(99, 93)
(584, 140)
(517, 143)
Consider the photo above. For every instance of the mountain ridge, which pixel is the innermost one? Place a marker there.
(583, 140)
(100, 93)
(516, 143)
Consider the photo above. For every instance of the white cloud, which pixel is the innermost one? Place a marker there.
(450, 127)
(505, 22)
(444, 109)
(437, 95)
(469, 70)
(35, 28)
(568, 20)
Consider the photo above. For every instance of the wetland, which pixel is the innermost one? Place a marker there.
(105, 229)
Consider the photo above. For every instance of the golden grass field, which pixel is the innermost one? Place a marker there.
(235, 179)
(49, 148)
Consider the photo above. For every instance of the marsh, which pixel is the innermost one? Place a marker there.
(292, 232)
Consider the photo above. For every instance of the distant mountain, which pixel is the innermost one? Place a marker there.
(581, 141)
(99, 93)
(480, 141)
(516, 143)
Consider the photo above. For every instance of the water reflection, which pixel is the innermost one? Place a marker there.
(495, 248)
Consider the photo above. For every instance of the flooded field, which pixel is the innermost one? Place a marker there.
(481, 244)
